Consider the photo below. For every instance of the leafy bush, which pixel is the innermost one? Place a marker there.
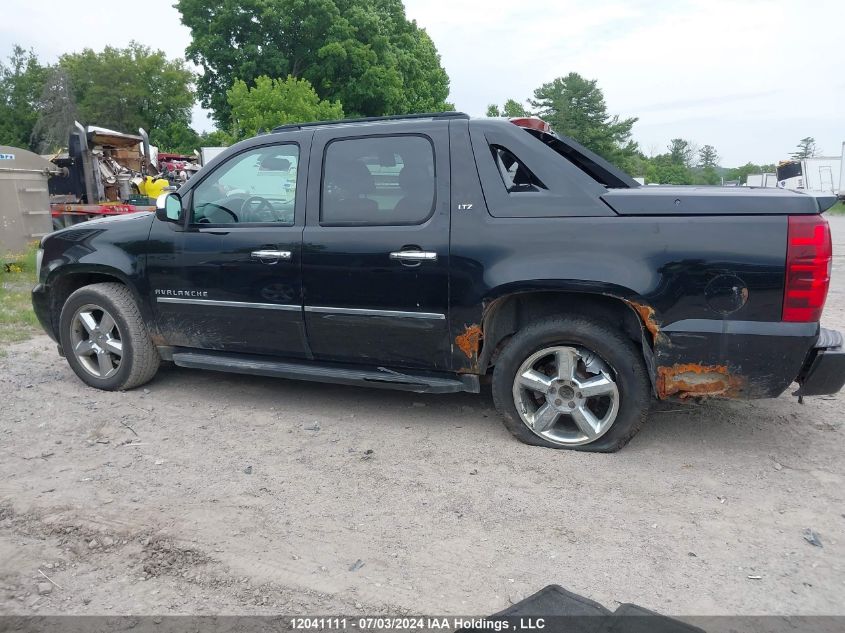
(17, 277)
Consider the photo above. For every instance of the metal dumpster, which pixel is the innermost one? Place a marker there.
(24, 199)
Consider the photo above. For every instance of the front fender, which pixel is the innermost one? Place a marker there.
(96, 252)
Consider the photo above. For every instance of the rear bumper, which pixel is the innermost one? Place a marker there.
(41, 306)
(824, 371)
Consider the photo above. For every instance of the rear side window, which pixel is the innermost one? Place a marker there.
(378, 181)
(515, 175)
(522, 177)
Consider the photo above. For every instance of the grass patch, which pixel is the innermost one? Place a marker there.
(837, 209)
(17, 277)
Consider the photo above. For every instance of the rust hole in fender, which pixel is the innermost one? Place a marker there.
(469, 341)
(647, 315)
(691, 380)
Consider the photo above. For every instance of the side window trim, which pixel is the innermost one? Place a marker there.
(323, 223)
(302, 149)
(569, 193)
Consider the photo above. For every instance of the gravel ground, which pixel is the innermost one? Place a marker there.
(212, 493)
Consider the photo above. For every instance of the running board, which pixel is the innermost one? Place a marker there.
(344, 375)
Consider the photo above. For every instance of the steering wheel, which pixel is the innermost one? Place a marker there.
(253, 208)
(222, 208)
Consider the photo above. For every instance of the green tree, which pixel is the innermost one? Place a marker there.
(707, 176)
(177, 138)
(575, 107)
(707, 172)
(364, 53)
(128, 88)
(273, 102)
(216, 138)
(665, 169)
(708, 157)
(21, 85)
(637, 165)
(511, 109)
(806, 148)
(741, 173)
(681, 152)
(56, 113)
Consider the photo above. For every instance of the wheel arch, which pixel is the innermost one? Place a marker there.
(68, 279)
(504, 315)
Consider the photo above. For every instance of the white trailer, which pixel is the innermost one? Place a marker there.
(762, 180)
(207, 153)
(820, 174)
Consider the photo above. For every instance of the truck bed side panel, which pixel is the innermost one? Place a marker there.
(709, 287)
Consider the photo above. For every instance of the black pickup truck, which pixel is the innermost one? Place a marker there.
(435, 253)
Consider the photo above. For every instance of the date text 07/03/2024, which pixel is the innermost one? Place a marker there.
(417, 623)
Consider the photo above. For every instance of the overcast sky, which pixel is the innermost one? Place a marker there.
(750, 77)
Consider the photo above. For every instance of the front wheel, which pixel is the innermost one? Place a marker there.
(573, 383)
(104, 338)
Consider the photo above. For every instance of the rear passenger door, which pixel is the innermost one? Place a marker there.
(375, 258)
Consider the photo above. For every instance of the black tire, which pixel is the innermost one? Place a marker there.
(611, 345)
(139, 361)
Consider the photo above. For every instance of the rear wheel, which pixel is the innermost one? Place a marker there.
(572, 383)
(104, 338)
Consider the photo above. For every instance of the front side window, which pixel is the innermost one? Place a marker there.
(257, 186)
(378, 181)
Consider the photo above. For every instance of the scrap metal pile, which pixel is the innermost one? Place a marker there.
(105, 172)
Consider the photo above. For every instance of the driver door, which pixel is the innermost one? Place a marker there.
(239, 257)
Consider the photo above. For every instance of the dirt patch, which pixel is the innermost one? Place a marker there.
(163, 557)
(218, 493)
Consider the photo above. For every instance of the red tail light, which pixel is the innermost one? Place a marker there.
(808, 258)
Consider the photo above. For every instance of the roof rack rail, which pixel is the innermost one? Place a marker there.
(369, 119)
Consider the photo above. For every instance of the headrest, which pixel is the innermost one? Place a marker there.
(352, 177)
(275, 163)
(415, 178)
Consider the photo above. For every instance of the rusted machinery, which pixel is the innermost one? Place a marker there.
(105, 173)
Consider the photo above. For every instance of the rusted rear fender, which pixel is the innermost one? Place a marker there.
(728, 358)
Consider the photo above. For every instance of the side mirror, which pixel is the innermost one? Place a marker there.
(169, 207)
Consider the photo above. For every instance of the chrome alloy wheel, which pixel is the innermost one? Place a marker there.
(96, 341)
(566, 395)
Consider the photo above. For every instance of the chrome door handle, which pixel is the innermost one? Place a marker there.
(271, 255)
(414, 256)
